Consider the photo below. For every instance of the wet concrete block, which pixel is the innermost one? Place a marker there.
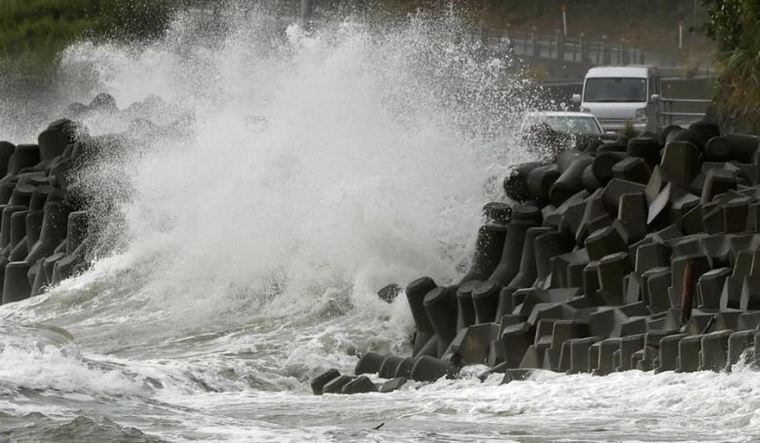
(702, 132)
(591, 282)
(548, 246)
(567, 269)
(689, 353)
(653, 255)
(717, 181)
(606, 241)
(725, 319)
(710, 287)
(594, 210)
(632, 288)
(748, 320)
(628, 346)
(712, 219)
(5, 225)
(657, 213)
(718, 248)
(24, 157)
(741, 147)
(441, 307)
(523, 229)
(487, 256)
(16, 284)
(524, 300)
(632, 213)
(496, 213)
(669, 348)
(753, 219)
(736, 214)
(415, 295)
(534, 357)
(699, 265)
(471, 344)
(579, 353)
(572, 218)
(692, 222)
(516, 375)
(516, 182)
(632, 169)
(617, 188)
(689, 245)
(606, 363)
(714, 355)
(389, 366)
(571, 180)
(699, 323)
(555, 311)
(731, 296)
(369, 363)
(335, 386)
(564, 357)
(756, 351)
(53, 230)
(681, 162)
(738, 343)
(319, 382)
(654, 185)
(651, 349)
(515, 340)
(465, 305)
(404, 369)
(387, 293)
(540, 181)
(430, 369)
(551, 360)
(645, 148)
(392, 385)
(601, 168)
(359, 385)
(612, 269)
(485, 299)
(590, 183)
(22, 194)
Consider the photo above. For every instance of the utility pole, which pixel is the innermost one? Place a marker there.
(564, 19)
(306, 10)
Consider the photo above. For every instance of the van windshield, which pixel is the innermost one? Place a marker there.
(621, 90)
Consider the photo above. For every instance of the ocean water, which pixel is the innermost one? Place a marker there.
(282, 176)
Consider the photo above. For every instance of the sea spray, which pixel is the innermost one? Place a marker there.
(309, 167)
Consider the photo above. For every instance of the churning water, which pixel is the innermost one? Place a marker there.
(281, 178)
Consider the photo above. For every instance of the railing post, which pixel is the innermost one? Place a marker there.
(583, 48)
(306, 10)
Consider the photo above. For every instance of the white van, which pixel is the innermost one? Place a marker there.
(617, 95)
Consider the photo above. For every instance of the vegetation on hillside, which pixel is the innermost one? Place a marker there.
(733, 24)
(33, 32)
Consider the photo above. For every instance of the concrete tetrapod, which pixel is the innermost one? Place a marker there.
(523, 218)
(16, 285)
(441, 307)
(488, 249)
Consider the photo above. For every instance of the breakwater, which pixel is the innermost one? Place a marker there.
(47, 232)
(616, 254)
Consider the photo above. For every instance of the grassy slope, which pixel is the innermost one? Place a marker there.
(33, 32)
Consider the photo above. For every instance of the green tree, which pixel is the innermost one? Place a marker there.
(734, 24)
(33, 32)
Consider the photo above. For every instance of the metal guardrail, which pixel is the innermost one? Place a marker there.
(571, 49)
(669, 116)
